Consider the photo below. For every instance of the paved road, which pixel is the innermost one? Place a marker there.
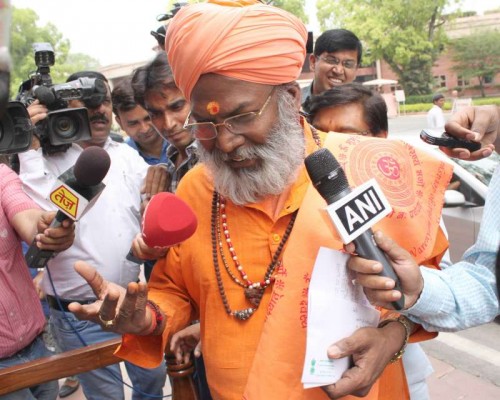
(407, 125)
(466, 364)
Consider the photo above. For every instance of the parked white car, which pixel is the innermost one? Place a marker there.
(463, 207)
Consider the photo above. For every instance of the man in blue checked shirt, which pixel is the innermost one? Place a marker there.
(155, 90)
(136, 123)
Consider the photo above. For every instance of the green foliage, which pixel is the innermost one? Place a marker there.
(295, 7)
(492, 11)
(486, 101)
(426, 106)
(477, 55)
(407, 34)
(426, 98)
(25, 32)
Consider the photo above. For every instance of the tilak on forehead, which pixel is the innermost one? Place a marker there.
(213, 107)
(255, 43)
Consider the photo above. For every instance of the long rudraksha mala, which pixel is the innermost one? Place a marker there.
(253, 290)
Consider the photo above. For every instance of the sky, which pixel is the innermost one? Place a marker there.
(117, 31)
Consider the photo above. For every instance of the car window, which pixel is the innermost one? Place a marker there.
(482, 169)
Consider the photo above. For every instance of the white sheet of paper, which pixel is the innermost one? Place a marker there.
(336, 308)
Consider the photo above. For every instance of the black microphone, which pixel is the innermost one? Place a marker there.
(330, 181)
(44, 95)
(76, 191)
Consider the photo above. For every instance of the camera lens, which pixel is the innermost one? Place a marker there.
(65, 126)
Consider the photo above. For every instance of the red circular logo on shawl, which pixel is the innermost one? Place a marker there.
(395, 166)
(389, 167)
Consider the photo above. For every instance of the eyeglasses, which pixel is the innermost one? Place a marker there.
(331, 60)
(237, 124)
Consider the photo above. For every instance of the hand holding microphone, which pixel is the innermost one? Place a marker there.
(167, 220)
(75, 192)
(378, 289)
(354, 210)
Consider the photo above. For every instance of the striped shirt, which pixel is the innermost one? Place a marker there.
(21, 315)
(464, 294)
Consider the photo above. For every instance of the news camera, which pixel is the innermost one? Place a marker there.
(16, 129)
(63, 125)
(160, 33)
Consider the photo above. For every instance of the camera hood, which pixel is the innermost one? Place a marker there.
(16, 130)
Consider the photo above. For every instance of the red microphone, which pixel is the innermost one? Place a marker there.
(167, 220)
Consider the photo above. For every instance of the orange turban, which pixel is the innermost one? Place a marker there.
(241, 39)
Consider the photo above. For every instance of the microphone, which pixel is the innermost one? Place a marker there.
(44, 95)
(167, 220)
(75, 192)
(330, 181)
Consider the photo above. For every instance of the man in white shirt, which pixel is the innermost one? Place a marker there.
(105, 234)
(435, 116)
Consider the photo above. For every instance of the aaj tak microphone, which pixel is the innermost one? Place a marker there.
(74, 193)
(167, 220)
(353, 212)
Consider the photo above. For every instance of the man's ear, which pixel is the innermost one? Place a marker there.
(119, 122)
(296, 93)
(312, 62)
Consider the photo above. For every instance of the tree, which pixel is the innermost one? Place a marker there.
(407, 34)
(477, 55)
(295, 7)
(25, 32)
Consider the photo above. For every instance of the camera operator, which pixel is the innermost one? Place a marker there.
(105, 234)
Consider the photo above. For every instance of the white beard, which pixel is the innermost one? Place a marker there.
(278, 160)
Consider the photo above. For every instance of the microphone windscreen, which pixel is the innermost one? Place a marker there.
(45, 95)
(167, 220)
(326, 173)
(91, 166)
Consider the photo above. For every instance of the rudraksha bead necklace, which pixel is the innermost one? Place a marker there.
(253, 291)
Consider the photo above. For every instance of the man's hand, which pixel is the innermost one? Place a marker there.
(156, 181)
(116, 309)
(371, 350)
(37, 111)
(142, 251)
(186, 341)
(37, 282)
(56, 239)
(479, 124)
(379, 289)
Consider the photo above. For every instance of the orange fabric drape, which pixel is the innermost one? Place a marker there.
(414, 184)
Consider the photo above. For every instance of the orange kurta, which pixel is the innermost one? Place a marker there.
(185, 286)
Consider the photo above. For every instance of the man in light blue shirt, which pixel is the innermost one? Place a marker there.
(461, 295)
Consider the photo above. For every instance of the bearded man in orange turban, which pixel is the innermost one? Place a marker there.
(245, 272)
